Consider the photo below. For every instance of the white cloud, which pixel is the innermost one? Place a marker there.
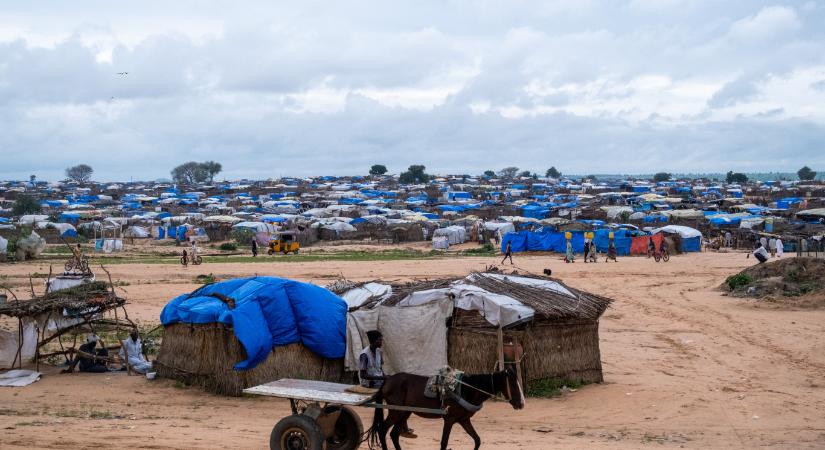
(461, 86)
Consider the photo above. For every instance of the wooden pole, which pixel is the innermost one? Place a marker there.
(500, 335)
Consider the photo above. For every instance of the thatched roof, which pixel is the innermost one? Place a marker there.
(548, 304)
(91, 297)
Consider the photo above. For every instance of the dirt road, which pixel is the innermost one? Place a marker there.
(685, 367)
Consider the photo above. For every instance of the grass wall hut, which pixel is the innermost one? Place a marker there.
(556, 326)
(234, 334)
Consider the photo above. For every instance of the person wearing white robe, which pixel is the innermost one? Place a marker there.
(134, 348)
(779, 248)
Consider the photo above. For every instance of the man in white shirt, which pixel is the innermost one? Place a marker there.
(132, 351)
(761, 254)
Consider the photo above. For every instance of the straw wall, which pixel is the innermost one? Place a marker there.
(204, 355)
(559, 350)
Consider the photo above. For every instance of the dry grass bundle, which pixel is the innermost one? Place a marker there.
(204, 355)
(90, 297)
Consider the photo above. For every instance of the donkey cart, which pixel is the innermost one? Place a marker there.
(322, 414)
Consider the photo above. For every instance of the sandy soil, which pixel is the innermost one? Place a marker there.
(685, 367)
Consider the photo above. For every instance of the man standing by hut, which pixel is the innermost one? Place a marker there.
(254, 247)
(371, 370)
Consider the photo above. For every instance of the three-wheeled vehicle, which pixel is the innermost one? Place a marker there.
(284, 242)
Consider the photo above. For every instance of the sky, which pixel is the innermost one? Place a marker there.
(273, 89)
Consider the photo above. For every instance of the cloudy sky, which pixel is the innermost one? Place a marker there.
(631, 86)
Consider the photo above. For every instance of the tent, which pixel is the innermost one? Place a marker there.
(691, 237)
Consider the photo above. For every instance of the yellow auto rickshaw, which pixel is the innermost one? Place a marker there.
(284, 242)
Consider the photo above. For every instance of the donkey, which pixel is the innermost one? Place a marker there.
(404, 389)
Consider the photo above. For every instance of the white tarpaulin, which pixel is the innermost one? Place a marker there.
(415, 338)
(9, 341)
(18, 378)
(441, 243)
(499, 310)
(455, 234)
(681, 230)
(356, 297)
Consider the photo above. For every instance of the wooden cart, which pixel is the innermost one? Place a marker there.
(322, 415)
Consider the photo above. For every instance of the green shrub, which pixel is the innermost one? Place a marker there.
(486, 249)
(228, 246)
(738, 281)
(205, 279)
(550, 387)
(243, 236)
(793, 276)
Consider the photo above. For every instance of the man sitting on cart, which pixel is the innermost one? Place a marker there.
(371, 370)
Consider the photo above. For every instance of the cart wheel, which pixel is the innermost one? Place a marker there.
(348, 429)
(296, 432)
(295, 251)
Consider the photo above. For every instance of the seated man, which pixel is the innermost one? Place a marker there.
(134, 357)
(88, 359)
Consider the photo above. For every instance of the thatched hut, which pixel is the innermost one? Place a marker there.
(204, 355)
(238, 333)
(560, 340)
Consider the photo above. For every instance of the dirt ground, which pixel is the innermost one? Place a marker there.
(685, 367)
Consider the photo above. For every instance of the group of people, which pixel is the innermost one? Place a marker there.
(590, 252)
(773, 247)
(93, 356)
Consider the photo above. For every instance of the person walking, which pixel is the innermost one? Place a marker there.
(254, 247)
(780, 248)
(772, 246)
(508, 253)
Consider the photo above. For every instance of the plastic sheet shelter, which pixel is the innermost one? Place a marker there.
(267, 312)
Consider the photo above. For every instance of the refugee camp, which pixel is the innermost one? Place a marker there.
(412, 225)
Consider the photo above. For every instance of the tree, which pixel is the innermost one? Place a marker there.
(32, 178)
(25, 205)
(552, 173)
(525, 174)
(508, 172)
(489, 174)
(80, 173)
(806, 173)
(211, 168)
(414, 174)
(736, 177)
(378, 169)
(189, 173)
(661, 176)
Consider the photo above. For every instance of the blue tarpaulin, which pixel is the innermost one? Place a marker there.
(268, 312)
